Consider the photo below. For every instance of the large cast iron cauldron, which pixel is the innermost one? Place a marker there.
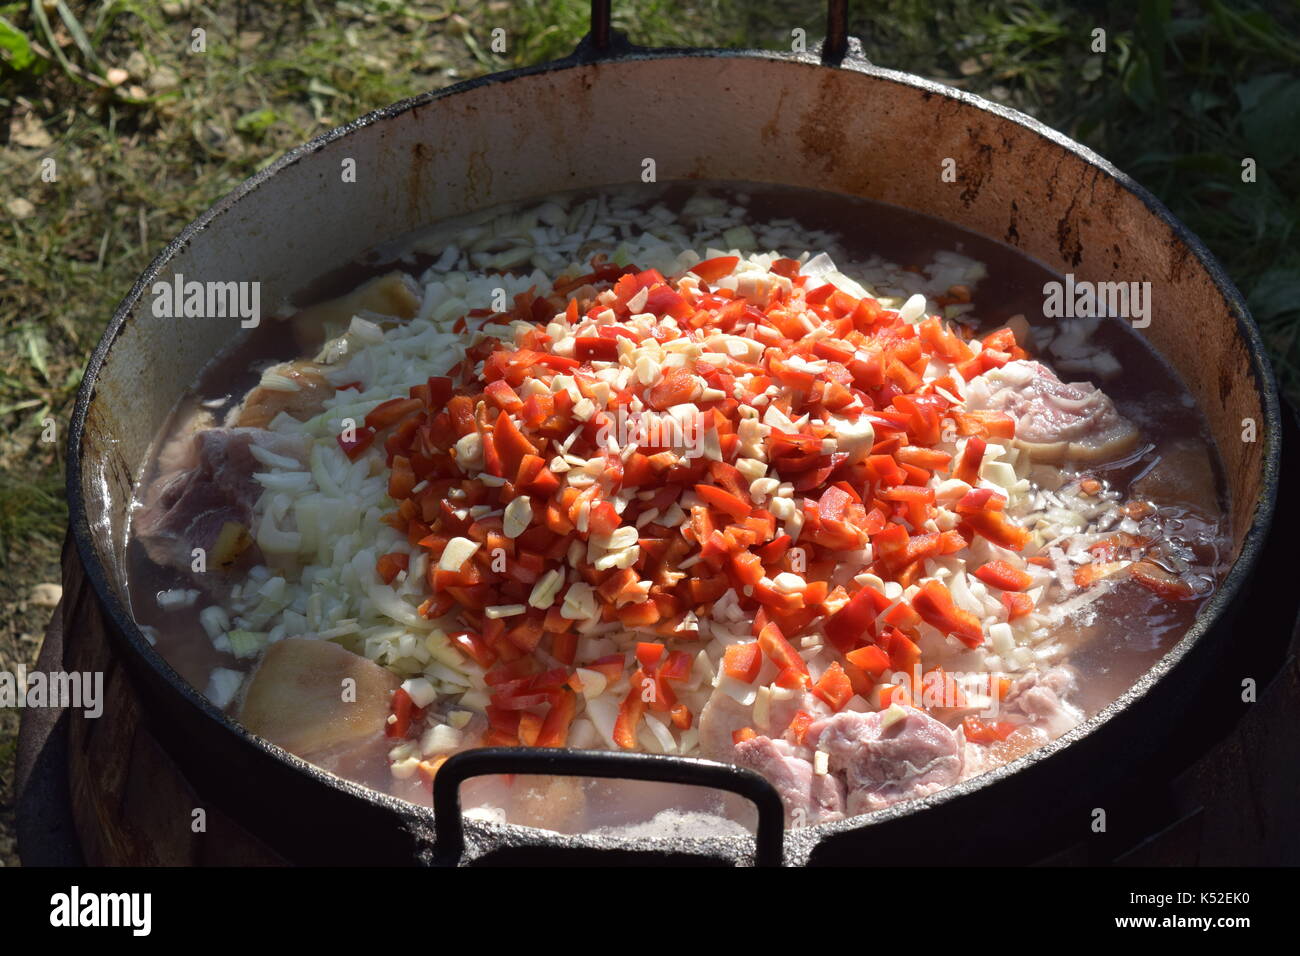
(834, 123)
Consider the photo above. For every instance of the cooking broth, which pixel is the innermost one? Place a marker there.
(1108, 645)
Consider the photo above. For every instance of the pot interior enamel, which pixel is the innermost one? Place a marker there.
(854, 130)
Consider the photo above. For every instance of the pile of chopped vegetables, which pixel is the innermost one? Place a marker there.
(733, 503)
(835, 460)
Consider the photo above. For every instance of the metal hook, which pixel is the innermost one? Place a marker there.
(600, 25)
(836, 45)
(834, 48)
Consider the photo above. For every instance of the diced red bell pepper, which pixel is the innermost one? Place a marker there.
(726, 502)
(904, 655)
(391, 412)
(799, 725)
(534, 478)
(530, 728)
(981, 731)
(780, 651)
(676, 387)
(665, 300)
(707, 590)
(742, 662)
(504, 397)
(940, 689)
(935, 605)
(778, 601)
(603, 518)
(1017, 605)
(795, 378)
(786, 267)
(891, 694)
(986, 424)
(474, 647)
(555, 728)
(629, 716)
(677, 666)
(587, 348)
(834, 687)
(927, 458)
(1001, 574)
(943, 341)
(511, 444)
(403, 707)
(682, 717)
(791, 678)
(996, 527)
(649, 654)
(401, 478)
(869, 658)
(972, 456)
(711, 270)
(564, 645)
(747, 567)
(440, 390)
(639, 614)
(820, 294)
(391, 565)
(362, 438)
(611, 666)
(854, 621)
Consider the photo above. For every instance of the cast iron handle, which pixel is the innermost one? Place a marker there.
(449, 826)
(834, 48)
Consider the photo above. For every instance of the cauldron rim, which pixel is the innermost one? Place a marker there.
(799, 843)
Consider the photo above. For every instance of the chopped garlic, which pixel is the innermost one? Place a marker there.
(517, 517)
(457, 552)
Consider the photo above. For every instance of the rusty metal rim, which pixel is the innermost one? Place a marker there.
(800, 842)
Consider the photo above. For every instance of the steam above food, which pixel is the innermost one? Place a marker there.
(615, 475)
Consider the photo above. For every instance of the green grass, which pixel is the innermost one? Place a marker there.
(29, 509)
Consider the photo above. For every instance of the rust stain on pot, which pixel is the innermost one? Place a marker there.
(478, 177)
(418, 173)
(975, 168)
(1053, 178)
(1068, 242)
(1013, 232)
(947, 109)
(1109, 204)
(1227, 379)
(771, 130)
(1068, 239)
(822, 138)
(1179, 260)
